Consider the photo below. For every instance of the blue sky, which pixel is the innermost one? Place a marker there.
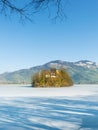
(31, 44)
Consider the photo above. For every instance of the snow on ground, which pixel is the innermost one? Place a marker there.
(73, 108)
(28, 91)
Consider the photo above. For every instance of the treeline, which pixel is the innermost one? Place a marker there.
(52, 78)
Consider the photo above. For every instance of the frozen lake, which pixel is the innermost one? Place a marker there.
(27, 108)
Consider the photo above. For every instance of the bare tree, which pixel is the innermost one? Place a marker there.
(25, 9)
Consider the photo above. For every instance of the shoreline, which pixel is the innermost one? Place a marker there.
(15, 85)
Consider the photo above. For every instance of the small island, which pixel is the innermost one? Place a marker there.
(52, 78)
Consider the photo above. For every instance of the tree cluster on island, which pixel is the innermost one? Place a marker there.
(52, 78)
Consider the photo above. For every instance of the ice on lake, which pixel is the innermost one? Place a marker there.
(27, 108)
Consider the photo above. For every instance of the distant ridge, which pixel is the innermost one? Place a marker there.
(82, 72)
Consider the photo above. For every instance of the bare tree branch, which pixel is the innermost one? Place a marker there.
(28, 8)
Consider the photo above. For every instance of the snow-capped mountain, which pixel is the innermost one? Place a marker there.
(86, 63)
(82, 72)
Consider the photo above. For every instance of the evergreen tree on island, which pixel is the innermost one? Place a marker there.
(52, 78)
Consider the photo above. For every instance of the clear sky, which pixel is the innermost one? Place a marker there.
(74, 39)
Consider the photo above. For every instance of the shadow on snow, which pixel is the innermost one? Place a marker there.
(48, 114)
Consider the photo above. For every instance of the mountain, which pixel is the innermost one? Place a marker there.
(82, 72)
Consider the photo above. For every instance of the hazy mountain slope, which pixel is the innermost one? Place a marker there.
(81, 72)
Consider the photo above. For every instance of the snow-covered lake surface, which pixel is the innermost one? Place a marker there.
(27, 108)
